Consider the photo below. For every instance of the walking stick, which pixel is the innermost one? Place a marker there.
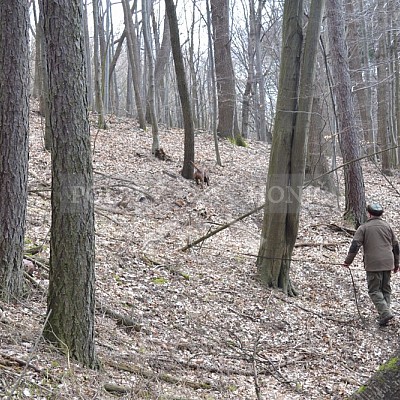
(355, 295)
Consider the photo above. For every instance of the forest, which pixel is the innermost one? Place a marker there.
(180, 185)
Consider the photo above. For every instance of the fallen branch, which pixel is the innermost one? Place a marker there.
(162, 376)
(316, 244)
(337, 228)
(221, 228)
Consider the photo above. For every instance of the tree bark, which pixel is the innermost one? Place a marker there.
(288, 153)
(187, 171)
(355, 211)
(384, 384)
(14, 128)
(71, 296)
(358, 73)
(317, 163)
(227, 119)
(133, 61)
(44, 95)
(98, 92)
(151, 96)
(383, 89)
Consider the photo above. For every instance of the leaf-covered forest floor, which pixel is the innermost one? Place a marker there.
(201, 325)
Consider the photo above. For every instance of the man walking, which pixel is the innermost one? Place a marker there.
(381, 256)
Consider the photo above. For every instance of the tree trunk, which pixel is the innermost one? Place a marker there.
(133, 62)
(71, 295)
(227, 119)
(44, 95)
(14, 128)
(151, 99)
(98, 92)
(288, 153)
(383, 89)
(317, 164)
(89, 78)
(360, 86)
(384, 384)
(160, 70)
(348, 139)
(187, 171)
(263, 131)
(213, 85)
(249, 87)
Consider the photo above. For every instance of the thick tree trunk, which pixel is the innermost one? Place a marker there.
(227, 119)
(384, 384)
(348, 138)
(213, 88)
(288, 153)
(71, 296)
(249, 87)
(383, 90)
(358, 72)
(14, 128)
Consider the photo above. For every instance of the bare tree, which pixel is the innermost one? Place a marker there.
(213, 86)
(134, 61)
(71, 295)
(289, 145)
(383, 96)
(151, 95)
(187, 171)
(227, 118)
(98, 92)
(14, 127)
(160, 71)
(348, 138)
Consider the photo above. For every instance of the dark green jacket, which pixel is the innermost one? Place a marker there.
(380, 245)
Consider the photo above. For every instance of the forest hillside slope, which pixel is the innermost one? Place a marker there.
(196, 324)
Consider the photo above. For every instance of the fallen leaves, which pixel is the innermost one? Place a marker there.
(203, 317)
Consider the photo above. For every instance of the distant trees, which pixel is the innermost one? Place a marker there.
(14, 126)
(71, 295)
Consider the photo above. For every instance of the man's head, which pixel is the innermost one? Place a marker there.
(375, 209)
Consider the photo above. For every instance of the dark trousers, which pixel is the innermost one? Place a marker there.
(379, 291)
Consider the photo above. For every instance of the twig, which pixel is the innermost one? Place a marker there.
(255, 373)
(28, 362)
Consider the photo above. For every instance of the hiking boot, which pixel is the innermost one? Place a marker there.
(385, 320)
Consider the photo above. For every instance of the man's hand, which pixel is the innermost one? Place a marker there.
(396, 269)
(346, 265)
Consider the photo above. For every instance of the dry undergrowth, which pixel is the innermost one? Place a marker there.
(208, 330)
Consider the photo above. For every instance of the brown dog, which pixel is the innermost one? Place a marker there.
(200, 175)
